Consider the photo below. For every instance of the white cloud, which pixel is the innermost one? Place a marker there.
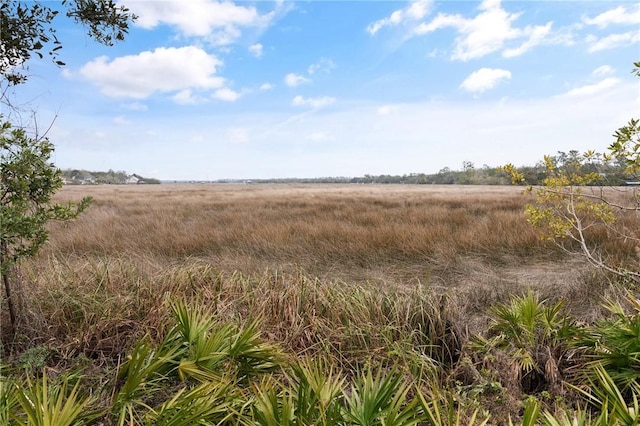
(226, 94)
(487, 32)
(387, 110)
(135, 106)
(217, 21)
(162, 70)
(314, 103)
(224, 38)
(238, 135)
(603, 70)
(619, 15)
(186, 97)
(396, 144)
(266, 86)
(612, 41)
(484, 79)
(256, 50)
(197, 138)
(416, 10)
(320, 136)
(323, 65)
(295, 80)
(591, 89)
(67, 73)
(536, 35)
(121, 119)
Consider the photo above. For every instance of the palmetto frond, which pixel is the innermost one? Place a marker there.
(614, 343)
(610, 401)
(8, 400)
(45, 404)
(208, 403)
(441, 409)
(381, 399)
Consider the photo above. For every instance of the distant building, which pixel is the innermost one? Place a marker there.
(82, 179)
(134, 179)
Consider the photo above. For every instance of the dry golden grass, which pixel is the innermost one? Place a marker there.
(327, 267)
(325, 230)
(360, 275)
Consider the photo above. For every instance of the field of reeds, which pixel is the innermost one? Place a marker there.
(316, 304)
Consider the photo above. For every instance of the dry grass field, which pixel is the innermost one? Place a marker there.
(472, 244)
(361, 274)
(353, 232)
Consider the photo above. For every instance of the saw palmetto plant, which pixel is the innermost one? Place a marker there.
(614, 342)
(536, 337)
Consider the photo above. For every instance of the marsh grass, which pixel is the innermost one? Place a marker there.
(324, 230)
(369, 278)
(352, 270)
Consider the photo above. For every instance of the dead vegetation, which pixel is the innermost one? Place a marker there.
(137, 245)
(354, 231)
(359, 274)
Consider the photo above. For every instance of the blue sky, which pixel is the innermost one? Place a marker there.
(214, 90)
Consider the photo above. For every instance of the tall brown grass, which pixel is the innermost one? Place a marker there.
(322, 229)
(332, 267)
(358, 274)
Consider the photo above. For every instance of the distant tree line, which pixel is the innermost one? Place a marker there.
(613, 173)
(85, 177)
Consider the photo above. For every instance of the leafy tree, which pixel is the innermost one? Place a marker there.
(445, 176)
(27, 178)
(27, 30)
(468, 175)
(577, 204)
(27, 182)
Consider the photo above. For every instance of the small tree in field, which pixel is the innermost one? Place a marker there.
(27, 182)
(27, 178)
(576, 205)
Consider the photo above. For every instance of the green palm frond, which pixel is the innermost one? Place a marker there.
(381, 400)
(250, 354)
(531, 412)
(8, 400)
(318, 391)
(44, 404)
(273, 408)
(210, 349)
(143, 373)
(439, 409)
(524, 360)
(607, 398)
(212, 346)
(533, 333)
(614, 343)
(192, 320)
(527, 321)
(190, 369)
(509, 326)
(209, 403)
(577, 418)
